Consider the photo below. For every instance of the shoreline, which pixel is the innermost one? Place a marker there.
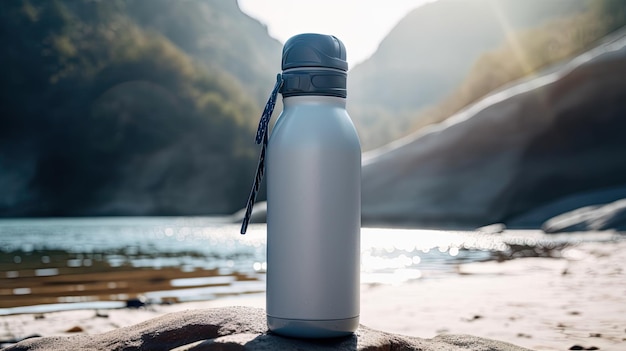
(539, 303)
(159, 264)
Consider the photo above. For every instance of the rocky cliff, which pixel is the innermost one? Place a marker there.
(523, 147)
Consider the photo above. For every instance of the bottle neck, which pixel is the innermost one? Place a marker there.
(333, 101)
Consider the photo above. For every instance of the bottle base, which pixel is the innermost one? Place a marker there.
(314, 329)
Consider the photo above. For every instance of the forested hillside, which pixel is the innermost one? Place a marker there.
(217, 34)
(129, 107)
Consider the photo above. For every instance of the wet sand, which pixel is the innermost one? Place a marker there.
(121, 284)
(578, 300)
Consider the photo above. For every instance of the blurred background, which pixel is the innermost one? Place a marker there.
(131, 107)
(134, 107)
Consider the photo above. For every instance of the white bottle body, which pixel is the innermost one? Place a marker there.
(313, 219)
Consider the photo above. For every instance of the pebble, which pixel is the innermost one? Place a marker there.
(75, 329)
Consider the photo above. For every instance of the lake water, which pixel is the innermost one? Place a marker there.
(52, 264)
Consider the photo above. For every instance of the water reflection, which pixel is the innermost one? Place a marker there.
(52, 261)
(46, 272)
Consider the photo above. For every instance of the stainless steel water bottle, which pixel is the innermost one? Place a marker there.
(313, 172)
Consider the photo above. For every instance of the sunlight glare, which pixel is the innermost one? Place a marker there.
(509, 32)
(361, 25)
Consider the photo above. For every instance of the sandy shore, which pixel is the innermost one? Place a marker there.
(539, 303)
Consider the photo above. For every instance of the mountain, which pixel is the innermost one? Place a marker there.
(429, 53)
(129, 107)
(218, 34)
(534, 145)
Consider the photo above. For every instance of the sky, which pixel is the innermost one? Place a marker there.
(360, 24)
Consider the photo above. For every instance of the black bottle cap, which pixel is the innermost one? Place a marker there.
(314, 50)
(321, 63)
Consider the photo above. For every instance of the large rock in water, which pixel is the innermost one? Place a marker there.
(526, 146)
(605, 217)
(244, 328)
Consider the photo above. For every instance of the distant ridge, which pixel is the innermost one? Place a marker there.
(429, 53)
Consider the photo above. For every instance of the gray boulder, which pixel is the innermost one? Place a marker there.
(566, 204)
(518, 149)
(244, 328)
(606, 217)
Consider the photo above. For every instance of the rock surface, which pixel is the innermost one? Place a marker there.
(599, 217)
(524, 147)
(244, 328)
(567, 204)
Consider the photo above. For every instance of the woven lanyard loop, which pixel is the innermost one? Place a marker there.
(261, 138)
